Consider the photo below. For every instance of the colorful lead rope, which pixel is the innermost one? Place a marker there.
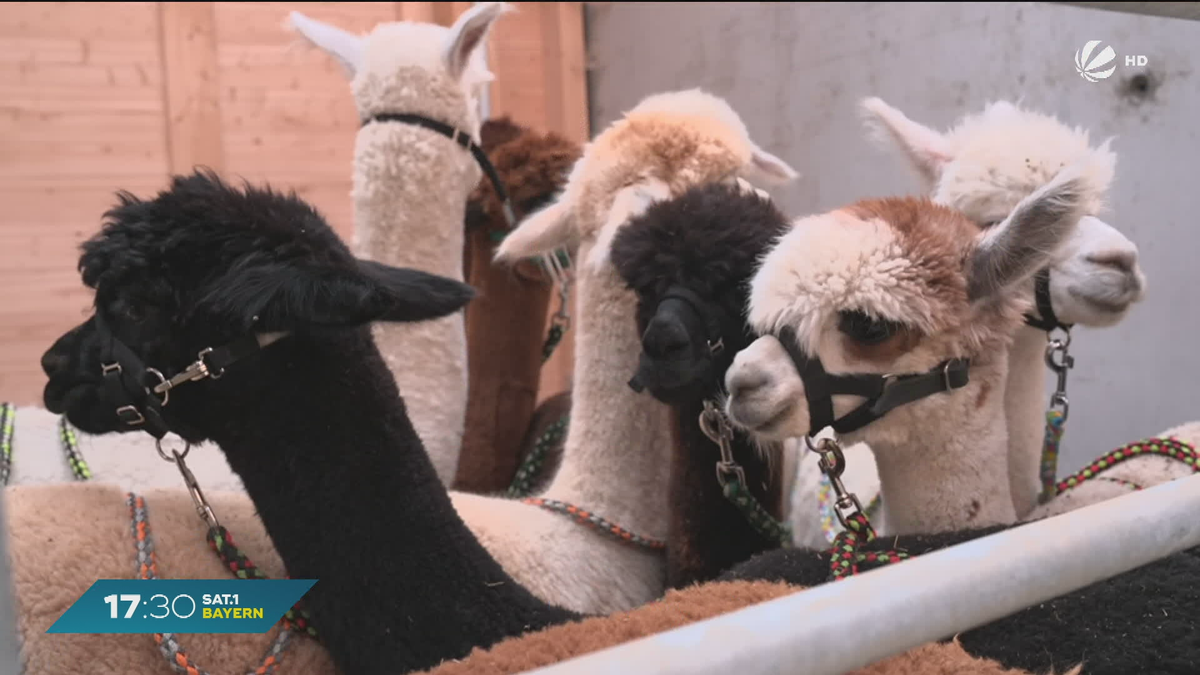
(168, 644)
(595, 522)
(1048, 469)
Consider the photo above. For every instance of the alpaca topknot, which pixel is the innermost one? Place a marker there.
(706, 239)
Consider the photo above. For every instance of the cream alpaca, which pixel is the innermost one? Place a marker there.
(896, 287)
(410, 191)
(616, 451)
(983, 167)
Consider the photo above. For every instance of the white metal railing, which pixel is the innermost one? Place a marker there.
(836, 627)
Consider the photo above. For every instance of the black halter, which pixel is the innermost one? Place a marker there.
(1046, 319)
(705, 312)
(461, 138)
(141, 392)
(883, 392)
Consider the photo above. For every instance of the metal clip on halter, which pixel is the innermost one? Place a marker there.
(1060, 367)
(833, 462)
(197, 371)
(202, 508)
(713, 424)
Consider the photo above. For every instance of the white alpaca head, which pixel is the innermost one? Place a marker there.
(413, 67)
(893, 286)
(664, 145)
(992, 160)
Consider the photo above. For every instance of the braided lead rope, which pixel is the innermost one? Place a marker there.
(1048, 470)
(8, 413)
(829, 525)
(595, 522)
(221, 541)
(168, 645)
(522, 483)
(70, 446)
(759, 518)
(1170, 447)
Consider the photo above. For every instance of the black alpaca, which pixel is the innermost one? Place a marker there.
(689, 260)
(313, 423)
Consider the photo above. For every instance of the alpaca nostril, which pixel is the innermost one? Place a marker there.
(666, 340)
(1122, 261)
(743, 383)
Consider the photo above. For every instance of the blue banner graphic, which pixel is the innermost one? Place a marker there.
(181, 606)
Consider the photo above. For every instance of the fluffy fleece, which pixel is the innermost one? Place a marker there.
(681, 607)
(1143, 621)
(984, 166)
(410, 191)
(899, 286)
(506, 322)
(707, 240)
(130, 462)
(203, 264)
(615, 457)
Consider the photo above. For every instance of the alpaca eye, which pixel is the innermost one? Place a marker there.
(866, 330)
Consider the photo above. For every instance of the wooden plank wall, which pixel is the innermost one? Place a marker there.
(102, 96)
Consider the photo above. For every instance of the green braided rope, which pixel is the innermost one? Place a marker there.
(522, 482)
(759, 518)
(221, 540)
(8, 413)
(553, 337)
(70, 445)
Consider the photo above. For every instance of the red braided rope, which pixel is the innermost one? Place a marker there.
(584, 517)
(1170, 447)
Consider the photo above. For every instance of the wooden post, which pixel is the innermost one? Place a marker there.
(191, 85)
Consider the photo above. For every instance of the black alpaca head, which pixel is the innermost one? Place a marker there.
(689, 260)
(203, 265)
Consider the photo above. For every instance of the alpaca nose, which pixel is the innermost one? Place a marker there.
(745, 381)
(1121, 260)
(665, 338)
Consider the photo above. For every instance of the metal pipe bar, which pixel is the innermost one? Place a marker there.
(836, 627)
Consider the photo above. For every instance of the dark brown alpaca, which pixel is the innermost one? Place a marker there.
(506, 323)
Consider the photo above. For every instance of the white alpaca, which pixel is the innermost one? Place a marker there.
(983, 167)
(615, 457)
(410, 191)
(901, 287)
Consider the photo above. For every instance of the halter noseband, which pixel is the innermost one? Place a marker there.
(140, 392)
(883, 392)
(1046, 319)
(463, 139)
(706, 315)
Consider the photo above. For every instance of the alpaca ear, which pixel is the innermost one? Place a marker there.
(279, 297)
(346, 48)
(468, 33)
(405, 294)
(1027, 240)
(767, 169)
(927, 149)
(541, 232)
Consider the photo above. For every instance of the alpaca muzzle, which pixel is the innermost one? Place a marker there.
(883, 392)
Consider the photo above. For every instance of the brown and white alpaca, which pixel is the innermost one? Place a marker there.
(615, 457)
(410, 190)
(506, 322)
(888, 288)
(983, 166)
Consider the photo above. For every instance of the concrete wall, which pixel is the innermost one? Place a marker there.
(795, 72)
